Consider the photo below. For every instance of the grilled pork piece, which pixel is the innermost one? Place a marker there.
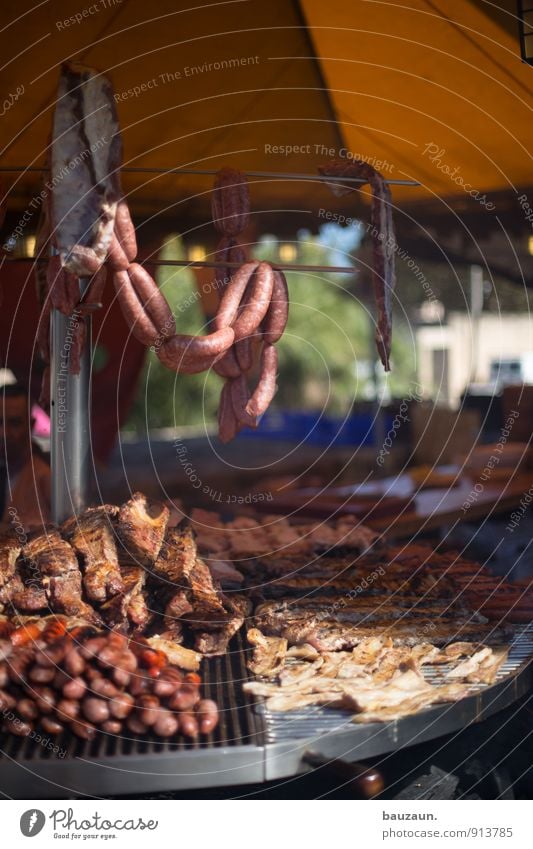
(92, 536)
(215, 642)
(129, 606)
(141, 528)
(52, 563)
(187, 583)
(331, 629)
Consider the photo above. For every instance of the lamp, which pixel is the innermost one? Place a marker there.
(289, 252)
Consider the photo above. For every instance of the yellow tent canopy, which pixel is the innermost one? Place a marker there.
(430, 91)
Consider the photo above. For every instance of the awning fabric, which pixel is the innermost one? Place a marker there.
(282, 86)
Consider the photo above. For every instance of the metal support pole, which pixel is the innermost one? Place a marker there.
(70, 416)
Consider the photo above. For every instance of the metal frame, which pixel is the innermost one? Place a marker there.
(526, 47)
(27, 771)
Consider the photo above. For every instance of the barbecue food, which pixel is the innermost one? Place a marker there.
(129, 606)
(10, 548)
(377, 681)
(141, 528)
(85, 160)
(92, 537)
(333, 625)
(53, 564)
(269, 653)
(60, 673)
(383, 241)
(215, 641)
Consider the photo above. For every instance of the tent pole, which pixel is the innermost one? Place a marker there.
(70, 416)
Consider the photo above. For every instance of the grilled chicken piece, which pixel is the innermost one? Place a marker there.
(141, 528)
(176, 654)
(92, 537)
(53, 566)
(269, 653)
(129, 606)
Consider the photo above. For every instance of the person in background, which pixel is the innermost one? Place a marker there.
(24, 469)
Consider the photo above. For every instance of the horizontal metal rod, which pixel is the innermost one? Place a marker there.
(211, 172)
(183, 263)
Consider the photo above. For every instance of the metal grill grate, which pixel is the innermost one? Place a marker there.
(249, 745)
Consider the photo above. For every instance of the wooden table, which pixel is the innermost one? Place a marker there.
(430, 509)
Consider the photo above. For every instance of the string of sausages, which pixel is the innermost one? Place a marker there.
(253, 306)
(383, 244)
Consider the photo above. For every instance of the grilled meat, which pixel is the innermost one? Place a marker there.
(53, 565)
(186, 583)
(10, 581)
(129, 606)
(141, 528)
(215, 641)
(269, 653)
(92, 536)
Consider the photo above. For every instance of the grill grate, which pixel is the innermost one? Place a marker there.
(222, 681)
(249, 745)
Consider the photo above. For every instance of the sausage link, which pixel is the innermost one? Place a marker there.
(152, 300)
(51, 725)
(207, 714)
(166, 724)
(184, 352)
(74, 663)
(116, 258)
(18, 727)
(83, 729)
(244, 353)
(149, 708)
(27, 709)
(68, 709)
(228, 426)
(185, 699)
(95, 710)
(227, 366)
(228, 250)
(140, 324)
(188, 724)
(233, 295)
(257, 301)
(230, 201)
(266, 388)
(121, 706)
(239, 399)
(277, 315)
(41, 674)
(125, 231)
(135, 724)
(112, 726)
(169, 681)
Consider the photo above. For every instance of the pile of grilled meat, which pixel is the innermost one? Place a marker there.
(94, 615)
(121, 568)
